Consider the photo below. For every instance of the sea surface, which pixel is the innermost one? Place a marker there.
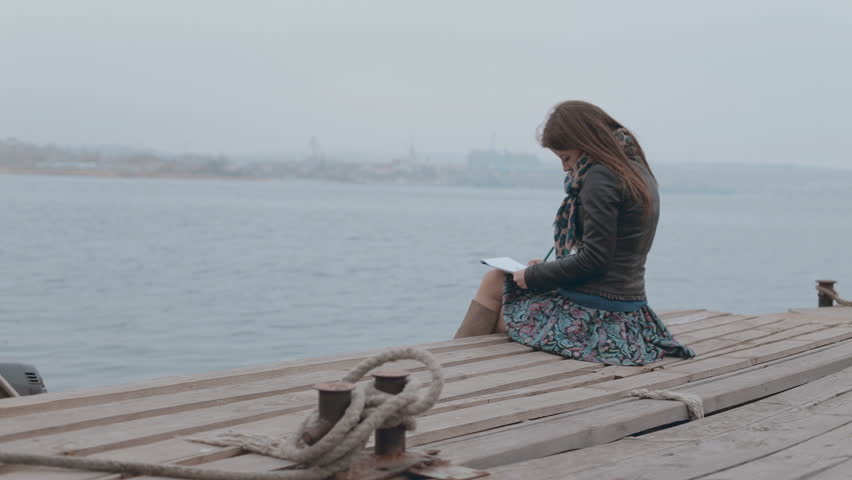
(109, 280)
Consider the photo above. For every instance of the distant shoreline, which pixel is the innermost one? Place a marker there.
(697, 179)
(111, 174)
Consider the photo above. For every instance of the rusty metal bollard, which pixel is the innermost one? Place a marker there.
(389, 458)
(334, 398)
(823, 299)
(390, 442)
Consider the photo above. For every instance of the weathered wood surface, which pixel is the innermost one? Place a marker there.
(793, 435)
(491, 383)
(612, 421)
(194, 383)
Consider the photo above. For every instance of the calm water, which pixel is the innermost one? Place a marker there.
(113, 280)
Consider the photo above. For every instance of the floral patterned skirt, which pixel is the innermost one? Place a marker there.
(554, 324)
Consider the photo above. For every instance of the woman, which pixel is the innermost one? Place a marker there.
(590, 303)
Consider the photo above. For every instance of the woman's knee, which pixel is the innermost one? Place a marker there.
(494, 279)
(492, 284)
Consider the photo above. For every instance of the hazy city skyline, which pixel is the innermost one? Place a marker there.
(756, 81)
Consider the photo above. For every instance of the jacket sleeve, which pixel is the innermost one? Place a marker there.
(601, 197)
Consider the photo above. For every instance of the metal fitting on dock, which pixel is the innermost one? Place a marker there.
(334, 398)
(389, 458)
(390, 442)
(824, 299)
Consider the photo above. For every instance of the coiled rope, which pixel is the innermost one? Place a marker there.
(831, 292)
(368, 410)
(693, 403)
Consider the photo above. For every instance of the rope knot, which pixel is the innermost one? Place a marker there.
(832, 293)
(694, 404)
(368, 410)
(403, 416)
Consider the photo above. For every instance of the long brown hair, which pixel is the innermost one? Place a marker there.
(580, 125)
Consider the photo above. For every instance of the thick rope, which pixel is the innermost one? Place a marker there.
(693, 402)
(834, 295)
(368, 410)
(141, 469)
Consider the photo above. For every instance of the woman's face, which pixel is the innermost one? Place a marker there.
(569, 158)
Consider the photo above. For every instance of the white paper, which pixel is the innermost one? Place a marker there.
(506, 264)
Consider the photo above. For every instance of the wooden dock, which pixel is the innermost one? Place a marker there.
(777, 390)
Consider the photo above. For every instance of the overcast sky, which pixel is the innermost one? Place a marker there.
(757, 81)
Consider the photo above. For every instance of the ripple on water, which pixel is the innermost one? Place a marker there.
(155, 278)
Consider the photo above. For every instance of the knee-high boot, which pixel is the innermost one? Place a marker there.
(479, 320)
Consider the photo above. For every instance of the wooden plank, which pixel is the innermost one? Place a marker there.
(33, 473)
(772, 351)
(839, 313)
(191, 422)
(195, 453)
(176, 384)
(141, 431)
(789, 342)
(457, 373)
(689, 329)
(424, 433)
(580, 433)
(176, 445)
(279, 463)
(468, 355)
(690, 317)
(519, 378)
(730, 344)
(258, 391)
(692, 459)
(709, 367)
(698, 458)
(610, 422)
(698, 448)
(783, 387)
(184, 422)
(838, 472)
(513, 410)
(816, 339)
(827, 336)
(426, 438)
(721, 329)
(766, 335)
(547, 387)
(502, 412)
(240, 463)
(483, 417)
(55, 421)
(720, 345)
(732, 322)
(792, 321)
(223, 419)
(660, 379)
(702, 349)
(670, 314)
(804, 460)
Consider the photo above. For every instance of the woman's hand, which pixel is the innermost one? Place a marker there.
(520, 279)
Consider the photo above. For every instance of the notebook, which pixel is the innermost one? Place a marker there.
(506, 264)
